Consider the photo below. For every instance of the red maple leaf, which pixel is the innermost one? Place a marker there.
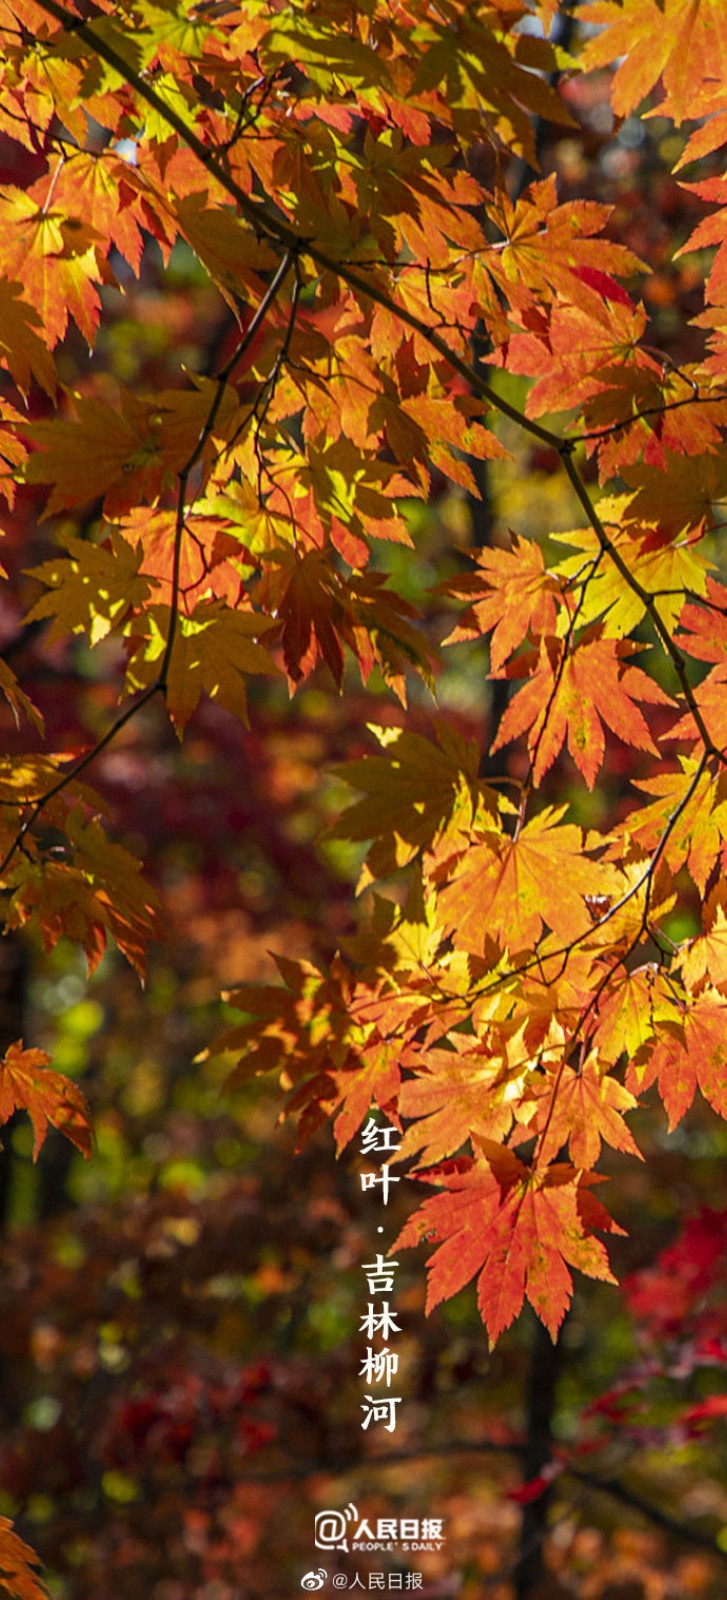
(518, 1230)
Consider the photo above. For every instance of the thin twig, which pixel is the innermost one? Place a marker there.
(647, 600)
(40, 804)
(648, 411)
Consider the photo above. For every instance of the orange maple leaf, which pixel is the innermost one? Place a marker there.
(98, 891)
(706, 957)
(699, 824)
(511, 594)
(107, 192)
(584, 1108)
(509, 889)
(556, 250)
(26, 1084)
(17, 1560)
(691, 1057)
(571, 698)
(102, 453)
(54, 257)
(315, 615)
(461, 1092)
(679, 42)
(127, 455)
(372, 1076)
(584, 353)
(206, 569)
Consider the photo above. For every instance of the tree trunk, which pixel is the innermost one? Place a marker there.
(545, 1364)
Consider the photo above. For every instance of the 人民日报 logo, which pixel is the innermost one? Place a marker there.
(347, 1530)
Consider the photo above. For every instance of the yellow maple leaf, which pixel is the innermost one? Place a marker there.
(92, 588)
(215, 650)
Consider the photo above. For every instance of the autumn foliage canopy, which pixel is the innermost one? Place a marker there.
(521, 980)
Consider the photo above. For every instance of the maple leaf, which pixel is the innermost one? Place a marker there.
(206, 568)
(22, 350)
(410, 792)
(97, 890)
(581, 1109)
(320, 614)
(92, 588)
(26, 1084)
(54, 257)
(312, 611)
(103, 190)
(677, 41)
(371, 1078)
(510, 889)
(517, 1230)
(663, 566)
(511, 594)
(630, 1011)
(550, 251)
(699, 823)
(571, 696)
(679, 494)
(127, 455)
(584, 353)
(215, 650)
(456, 1093)
(17, 1560)
(103, 452)
(706, 956)
(692, 1056)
